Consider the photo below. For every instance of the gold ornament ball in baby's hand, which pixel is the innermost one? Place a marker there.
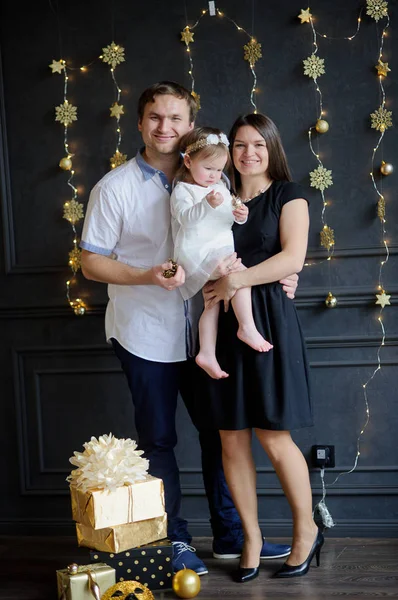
(186, 583)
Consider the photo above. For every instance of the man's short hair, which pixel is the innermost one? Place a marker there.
(170, 88)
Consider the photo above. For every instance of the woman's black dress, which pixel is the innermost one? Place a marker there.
(267, 390)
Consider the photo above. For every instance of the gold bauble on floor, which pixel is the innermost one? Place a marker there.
(186, 583)
(330, 300)
(125, 589)
(386, 168)
(322, 126)
(65, 163)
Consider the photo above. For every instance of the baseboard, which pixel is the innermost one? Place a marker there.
(201, 528)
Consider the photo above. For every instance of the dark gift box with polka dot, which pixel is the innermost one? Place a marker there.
(150, 564)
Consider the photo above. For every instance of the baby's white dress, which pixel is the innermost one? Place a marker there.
(202, 234)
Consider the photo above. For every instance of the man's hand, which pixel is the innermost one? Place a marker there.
(214, 199)
(170, 283)
(227, 265)
(241, 213)
(289, 285)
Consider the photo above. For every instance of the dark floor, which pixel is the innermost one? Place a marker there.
(353, 568)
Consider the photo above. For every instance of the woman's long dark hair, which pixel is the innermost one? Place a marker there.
(278, 168)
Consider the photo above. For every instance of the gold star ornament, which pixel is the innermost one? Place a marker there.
(305, 16)
(383, 299)
(382, 68)
(117, 110)
(57, 66)
(187, 35)
(196, 97)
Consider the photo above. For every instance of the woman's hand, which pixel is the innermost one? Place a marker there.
(227, 265)
(289, 285)
(223, 289)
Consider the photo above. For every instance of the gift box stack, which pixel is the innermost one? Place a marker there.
(120, 513)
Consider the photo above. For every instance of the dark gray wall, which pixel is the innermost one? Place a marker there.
(60, 383)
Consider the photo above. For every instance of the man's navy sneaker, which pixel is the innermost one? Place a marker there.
(184, 556)
(234, 550)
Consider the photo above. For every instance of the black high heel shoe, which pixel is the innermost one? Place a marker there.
(298, 570)
(241, 575)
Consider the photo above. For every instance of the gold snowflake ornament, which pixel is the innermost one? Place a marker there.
(321, 178)
(327, 237)
(75, 259)
(381, 119)
(66, 113)
(113, 55)
(117, 110)
(252, 52)
(73, 211)
(377, 9)
(196, 97)
(117, 159)
(187, 36)
(305, 16)
(381, 209)
(382, 68)
(314, 66)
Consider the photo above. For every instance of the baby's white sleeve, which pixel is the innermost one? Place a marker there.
(184, 209)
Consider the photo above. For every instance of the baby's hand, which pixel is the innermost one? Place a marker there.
(214, 199)
(241, 213)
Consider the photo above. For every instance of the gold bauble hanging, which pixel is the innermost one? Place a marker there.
(186, 583)
(322, 126)
(65, 163)
(330, 300)
(386, 168)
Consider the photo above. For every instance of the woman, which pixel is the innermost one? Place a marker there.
(268, 392)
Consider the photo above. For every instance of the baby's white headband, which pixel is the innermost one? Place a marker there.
(213, 139)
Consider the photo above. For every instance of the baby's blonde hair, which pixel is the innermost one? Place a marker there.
(209, 150)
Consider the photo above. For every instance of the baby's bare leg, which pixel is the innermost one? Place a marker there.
(248, 332)
(206, 359)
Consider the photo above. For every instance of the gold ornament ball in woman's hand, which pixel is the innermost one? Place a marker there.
(65, 163)
(331, 301)
(386, 168)
(186, 583)
(322, 126)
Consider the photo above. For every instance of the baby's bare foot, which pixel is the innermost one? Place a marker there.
(210, 365)
(253, 338)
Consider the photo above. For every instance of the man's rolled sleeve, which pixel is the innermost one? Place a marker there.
(103, 222)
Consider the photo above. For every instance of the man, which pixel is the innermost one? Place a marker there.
(128, 217)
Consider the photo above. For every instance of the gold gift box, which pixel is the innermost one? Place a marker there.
(76, 587)
(126, 504)
(122, 537)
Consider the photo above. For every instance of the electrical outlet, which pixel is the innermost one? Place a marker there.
(323, 457)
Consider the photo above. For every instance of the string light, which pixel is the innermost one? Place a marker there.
(381, 121)
(66, 114)
(320, 178)
(252, 52)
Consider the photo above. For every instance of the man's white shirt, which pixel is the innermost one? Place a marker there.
(128, 218)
